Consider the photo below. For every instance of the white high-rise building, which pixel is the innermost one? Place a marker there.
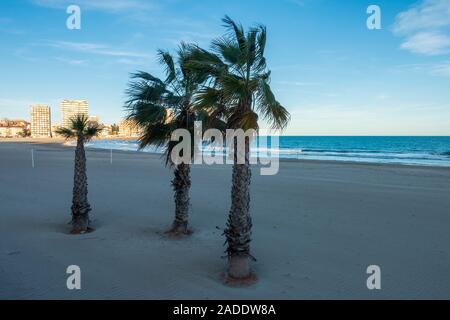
(129, 128)
(72, 108)
(41, 125)
(94, 119)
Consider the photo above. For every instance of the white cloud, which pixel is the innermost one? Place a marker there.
(74, 62)
(298, 83)
(101, 5)
(7, 25)
(442, 69)
(434, 69)
(428, 43)
(98, 49)
(429, 14)
(300, 3)
(425, 27)
(131, 62)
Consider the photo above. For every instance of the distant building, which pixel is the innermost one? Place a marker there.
(55, 126)
(94, 120)
(72, 108)
(169, 115)
(106, 130)
(13, 128)
(40, 121)
(129, 128)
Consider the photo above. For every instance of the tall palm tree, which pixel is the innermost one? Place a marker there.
(239, 92)
(82, 130)
(160, 107)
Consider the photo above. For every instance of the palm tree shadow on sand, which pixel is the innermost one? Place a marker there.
(167, 233)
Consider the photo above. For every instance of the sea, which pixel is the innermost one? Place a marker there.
(426, 151)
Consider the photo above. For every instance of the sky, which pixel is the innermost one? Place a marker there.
(333, 74)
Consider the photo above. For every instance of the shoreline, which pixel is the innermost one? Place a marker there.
(60, 143)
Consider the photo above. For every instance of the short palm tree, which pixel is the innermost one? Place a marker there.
(160, 107)
(82, 130)
(239, 93)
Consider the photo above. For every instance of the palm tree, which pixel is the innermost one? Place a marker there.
(239, 92)
(81, 130)
(160, 107)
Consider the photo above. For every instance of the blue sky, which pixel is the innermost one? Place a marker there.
(334, 75)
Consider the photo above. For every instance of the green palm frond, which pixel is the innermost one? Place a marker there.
(205, 63)
(249, 120)
(207, 98)
(143, 113)
(79, 123)
(233, 87)
(261, 47)
(145, 87)
(228, 50)
(184, 52)
(80, 127)
(156, 134)
(92, 131)
(272, 111)
(238, 86)
(65, 132)
(237, 32)
(166, 59)
(251, 46)
(146, 77)
(160, 107)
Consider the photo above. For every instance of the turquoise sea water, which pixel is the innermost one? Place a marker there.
(433, 151)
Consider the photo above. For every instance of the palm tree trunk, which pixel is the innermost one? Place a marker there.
(238, 231)
(80, 204)
(181, 185)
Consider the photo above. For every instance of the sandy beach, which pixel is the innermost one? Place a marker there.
(317, 227)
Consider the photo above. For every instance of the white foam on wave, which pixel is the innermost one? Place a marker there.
(371, 156)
